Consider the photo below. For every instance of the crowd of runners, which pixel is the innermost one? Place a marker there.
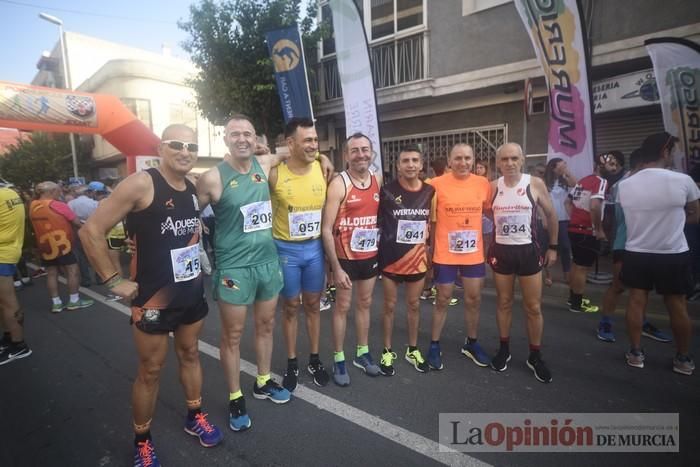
(282, 226)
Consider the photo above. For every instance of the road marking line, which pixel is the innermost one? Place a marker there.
(376, 425)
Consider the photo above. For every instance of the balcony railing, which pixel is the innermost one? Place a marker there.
(396, 62)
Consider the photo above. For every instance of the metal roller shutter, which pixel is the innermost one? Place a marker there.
(625, 133)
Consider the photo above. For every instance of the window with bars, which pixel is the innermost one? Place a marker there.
(484, 140)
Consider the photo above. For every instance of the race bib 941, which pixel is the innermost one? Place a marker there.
(411, 232)
(257, 216)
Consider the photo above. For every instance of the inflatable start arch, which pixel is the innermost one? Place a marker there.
(63, 111)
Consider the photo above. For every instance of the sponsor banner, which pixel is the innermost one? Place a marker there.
(559, 432)
(677, 69)
(557, 35)
(146, 162)
(356, 78)
(287, 54)
(62, 107)
(625, 91)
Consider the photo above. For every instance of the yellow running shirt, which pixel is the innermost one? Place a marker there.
(297, 203)
(457, 209)
(11, 226)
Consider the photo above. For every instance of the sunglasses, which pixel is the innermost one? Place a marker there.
(176, 145)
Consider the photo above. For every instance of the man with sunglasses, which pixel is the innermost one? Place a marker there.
(167, 292)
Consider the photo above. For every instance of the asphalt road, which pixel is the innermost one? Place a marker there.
(68, 403)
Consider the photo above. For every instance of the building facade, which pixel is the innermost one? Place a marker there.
(153, 86)
(455, 70)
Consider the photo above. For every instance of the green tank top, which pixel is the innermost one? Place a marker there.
(243, 235)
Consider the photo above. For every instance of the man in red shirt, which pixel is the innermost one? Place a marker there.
(585, 233)
(53, 223)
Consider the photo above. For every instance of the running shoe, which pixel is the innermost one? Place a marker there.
(145, 455)
(112, 298)
(500, 361)
(605, 332)
(652, 332)
(291, 378)
(539, 368)
(340, 374)
(330, 292)
(321, 377)
(81, 303)
(453, 301)
(365, 363)
(386, 364)
(416, 359)
(635, 358)
(272, 391)
(57, 307)
(238, 415)
(476, 353)
(325, 304)
(5, 342)
(41, 272)
(683, 364)
(14, 352)
(209, 435)
(428, 294)
(585, 307)
(18, 285)
(584, 301)
(435, 357)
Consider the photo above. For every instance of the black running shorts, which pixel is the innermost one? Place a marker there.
(360, 269)
(584, 249)
(521, 260)
(152, 321)
(669, 274)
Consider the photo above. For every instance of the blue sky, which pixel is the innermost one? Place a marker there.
(139, 23)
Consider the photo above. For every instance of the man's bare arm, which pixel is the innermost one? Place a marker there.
(134, 193)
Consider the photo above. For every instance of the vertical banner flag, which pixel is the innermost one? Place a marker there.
(287, 54)
(677, 70)
(556, 30)
(355, 72)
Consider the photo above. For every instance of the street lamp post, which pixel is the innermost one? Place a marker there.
(66, 78)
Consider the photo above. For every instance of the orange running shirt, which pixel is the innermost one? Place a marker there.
(54, 233)
(355, 231)
(457, 210)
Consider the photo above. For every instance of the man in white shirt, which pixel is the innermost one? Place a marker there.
(657, 203)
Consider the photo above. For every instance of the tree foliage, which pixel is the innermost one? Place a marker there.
(40, 158)
(227, 43)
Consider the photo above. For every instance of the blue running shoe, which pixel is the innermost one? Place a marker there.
(273, 391)
(238, 416)
(435, 357)
(605, 333)
(209, 435)
(365, 363)
(145, 455)
(476, 353)
(340, 374)
(652, 332)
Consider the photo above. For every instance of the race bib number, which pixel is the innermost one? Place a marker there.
(257, 216)
(411, 232)
(185, 263)
(462, 241)
(304, 224)
(513, 226)
(364, 240)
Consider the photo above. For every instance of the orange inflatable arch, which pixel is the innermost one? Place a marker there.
(63, 111)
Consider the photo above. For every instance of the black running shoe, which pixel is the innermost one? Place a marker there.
(540, 370)
(291, 378)
(321, 376)
(500, 361)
